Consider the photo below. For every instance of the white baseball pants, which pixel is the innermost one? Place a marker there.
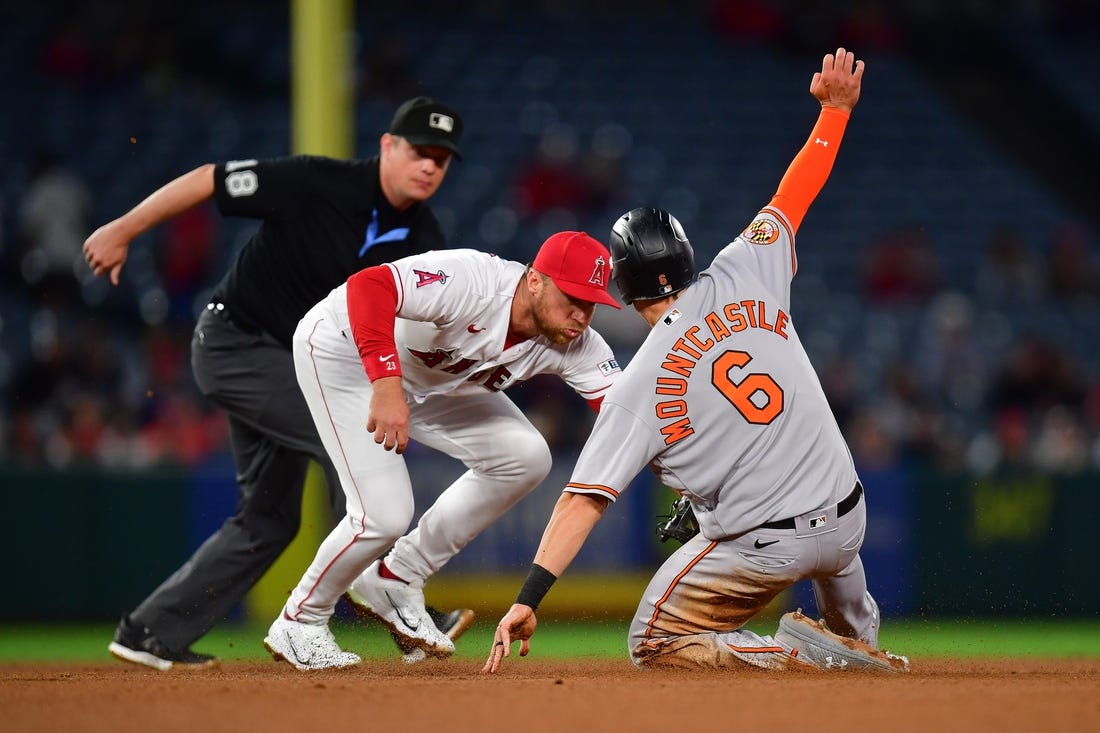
(505, 455)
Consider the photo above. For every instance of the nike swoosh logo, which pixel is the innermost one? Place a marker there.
(297, 655)
(472, 328)
(411, 627)
(761, 545)
(385, 358)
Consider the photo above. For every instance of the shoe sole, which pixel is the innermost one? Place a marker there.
(126, 654)
(466, 618)
(831, 652)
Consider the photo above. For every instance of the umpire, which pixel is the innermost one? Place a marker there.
(322, 220)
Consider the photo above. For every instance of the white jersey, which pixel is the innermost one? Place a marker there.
(721, 399)
(453, 311)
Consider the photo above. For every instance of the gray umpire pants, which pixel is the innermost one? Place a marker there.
(251, 376)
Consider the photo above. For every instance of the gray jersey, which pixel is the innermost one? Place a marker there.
(721, 400)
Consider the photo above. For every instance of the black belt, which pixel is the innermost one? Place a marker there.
(220, 309)
(846, 505)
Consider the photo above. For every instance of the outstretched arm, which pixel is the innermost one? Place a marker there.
(573, 519)
(106, 249)
(837, 88)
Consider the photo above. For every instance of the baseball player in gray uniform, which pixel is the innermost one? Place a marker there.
(722, 403)
(423, 348)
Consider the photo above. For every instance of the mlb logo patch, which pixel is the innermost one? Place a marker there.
(441, 122)
(818, 521)
(608, 367)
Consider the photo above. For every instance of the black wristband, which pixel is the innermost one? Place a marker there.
(536, 586)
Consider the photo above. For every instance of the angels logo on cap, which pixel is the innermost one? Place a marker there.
(577, 264)
(599, 275)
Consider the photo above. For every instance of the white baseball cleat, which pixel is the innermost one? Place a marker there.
(401, 608)
(813, 642)
(306, 646)
(453, 625)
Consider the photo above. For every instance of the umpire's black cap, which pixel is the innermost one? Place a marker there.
(424, 121)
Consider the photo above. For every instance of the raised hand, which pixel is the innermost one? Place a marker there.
(838, 83)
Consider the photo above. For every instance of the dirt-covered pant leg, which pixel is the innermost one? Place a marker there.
(845, 603)
(695, 606)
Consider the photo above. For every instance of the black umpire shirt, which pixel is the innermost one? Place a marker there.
(323, 221)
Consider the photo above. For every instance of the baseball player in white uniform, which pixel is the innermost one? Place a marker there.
(422, 348)
(721, 401)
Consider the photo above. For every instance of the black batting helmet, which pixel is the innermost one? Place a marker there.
(651, 256)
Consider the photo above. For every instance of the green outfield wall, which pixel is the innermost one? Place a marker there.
(89, 544)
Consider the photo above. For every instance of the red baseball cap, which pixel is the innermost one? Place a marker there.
(578, 264)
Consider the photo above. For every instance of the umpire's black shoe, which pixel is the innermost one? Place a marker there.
(135, 643)
(453, 624)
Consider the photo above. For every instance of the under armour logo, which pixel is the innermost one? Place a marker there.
(819, 141)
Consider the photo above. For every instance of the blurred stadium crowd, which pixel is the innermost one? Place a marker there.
(948, 329)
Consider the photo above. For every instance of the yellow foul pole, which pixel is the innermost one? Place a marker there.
(322, 77)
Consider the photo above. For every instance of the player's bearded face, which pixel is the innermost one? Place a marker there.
(557, 316)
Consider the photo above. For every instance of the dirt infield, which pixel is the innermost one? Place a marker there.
(531, 696)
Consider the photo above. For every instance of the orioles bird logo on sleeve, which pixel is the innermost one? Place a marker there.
(761, 231)
(599, 273)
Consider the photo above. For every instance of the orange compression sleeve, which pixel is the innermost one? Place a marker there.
(809, 170)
